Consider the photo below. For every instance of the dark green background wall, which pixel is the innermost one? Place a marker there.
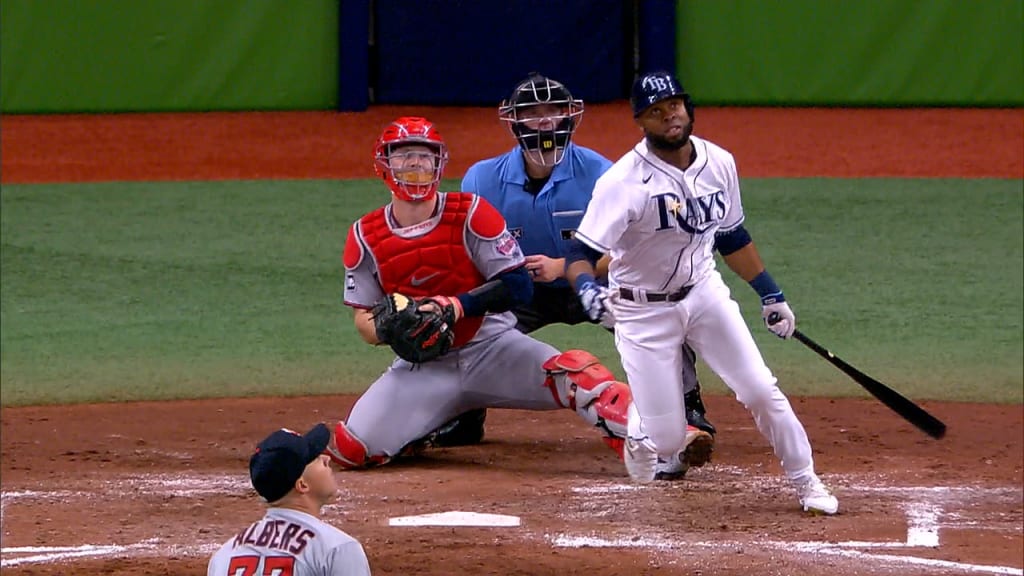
(169, 55)
(853, 52)
(148, 55)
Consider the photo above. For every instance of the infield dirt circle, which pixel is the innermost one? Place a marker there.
(153, 488)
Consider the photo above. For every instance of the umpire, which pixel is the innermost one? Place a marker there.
(542, 187)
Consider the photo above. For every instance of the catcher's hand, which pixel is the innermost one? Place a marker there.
(417, 331)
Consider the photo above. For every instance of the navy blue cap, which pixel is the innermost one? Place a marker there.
(282, 457)
(654, 87)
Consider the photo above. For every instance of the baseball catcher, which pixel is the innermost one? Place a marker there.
(417, 330)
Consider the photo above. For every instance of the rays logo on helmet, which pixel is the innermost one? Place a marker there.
(657, 83)
(654, 87)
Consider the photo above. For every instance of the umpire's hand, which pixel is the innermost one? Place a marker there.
(544, 269)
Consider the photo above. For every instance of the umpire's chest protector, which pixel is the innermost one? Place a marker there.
(428, 259)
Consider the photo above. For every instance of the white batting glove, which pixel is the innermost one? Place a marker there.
(779, 319)
(608, 320)
(594, 298)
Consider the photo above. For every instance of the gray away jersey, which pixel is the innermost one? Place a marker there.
(293, 543)
(659, 222)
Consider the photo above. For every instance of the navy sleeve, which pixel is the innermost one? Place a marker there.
(732, 240)
(502, 293)
(580, 251)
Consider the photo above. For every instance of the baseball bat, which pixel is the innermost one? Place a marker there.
(910, 411)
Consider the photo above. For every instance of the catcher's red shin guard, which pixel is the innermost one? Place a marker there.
(349, 452)
(580, 382)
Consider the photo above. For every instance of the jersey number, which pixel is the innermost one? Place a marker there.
(272, 566)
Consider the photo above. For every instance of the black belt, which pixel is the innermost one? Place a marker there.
(634, 296)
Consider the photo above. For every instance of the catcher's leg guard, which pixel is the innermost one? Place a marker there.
(349, 452)
(580, 382)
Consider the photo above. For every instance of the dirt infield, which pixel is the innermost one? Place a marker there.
(152, 488)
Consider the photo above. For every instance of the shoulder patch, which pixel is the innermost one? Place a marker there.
(484, 220)
(353, 254)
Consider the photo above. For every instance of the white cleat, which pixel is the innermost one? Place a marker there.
(641, 460)
(815, 497)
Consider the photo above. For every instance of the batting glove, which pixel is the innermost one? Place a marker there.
(593, 296)
(779, 318)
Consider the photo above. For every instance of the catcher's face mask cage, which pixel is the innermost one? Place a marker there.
(410, 156)
(542, 116)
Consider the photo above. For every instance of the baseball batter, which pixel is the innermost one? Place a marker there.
(661, 211)
(453, 248)
(291, 472)
(542, 187)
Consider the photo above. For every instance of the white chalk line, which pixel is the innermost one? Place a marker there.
(828, 548)
(923, 519)
(924, 513)
(52, 554)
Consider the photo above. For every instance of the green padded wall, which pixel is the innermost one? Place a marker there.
(167, 55)
(852, 52)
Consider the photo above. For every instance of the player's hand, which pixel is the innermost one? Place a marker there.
(608, 320)
(779, 318)
(544, 269)
(441, 304)
(594, 298)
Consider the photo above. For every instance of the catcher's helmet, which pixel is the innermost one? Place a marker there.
(411, 185)
(654, 87)
(542, 131)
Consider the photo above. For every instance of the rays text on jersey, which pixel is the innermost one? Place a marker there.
(693, 215)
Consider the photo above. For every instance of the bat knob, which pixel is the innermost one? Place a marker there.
(774, 318)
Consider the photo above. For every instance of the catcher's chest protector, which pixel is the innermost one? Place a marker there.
(434, 263)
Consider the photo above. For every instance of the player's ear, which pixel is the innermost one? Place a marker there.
(301, 486)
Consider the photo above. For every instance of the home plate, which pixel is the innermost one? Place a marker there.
(455, 518)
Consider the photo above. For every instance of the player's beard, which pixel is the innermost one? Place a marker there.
(671, 144)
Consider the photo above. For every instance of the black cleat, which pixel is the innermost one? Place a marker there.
(465, 430)
(695, 412)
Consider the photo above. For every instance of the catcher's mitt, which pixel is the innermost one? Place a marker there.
(415, 335)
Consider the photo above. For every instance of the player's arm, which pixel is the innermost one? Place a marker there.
(579, 271)
(502, 293)
(362, 290)
(601, 268)
(365, 326)
(740, 254)
(581, 263)
(499, 258)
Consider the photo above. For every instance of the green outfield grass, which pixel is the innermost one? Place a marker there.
(177, 290)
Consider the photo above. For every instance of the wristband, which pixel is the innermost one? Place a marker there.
(767, 289)
(582, 279)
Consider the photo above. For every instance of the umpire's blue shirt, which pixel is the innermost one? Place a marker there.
(544, 222)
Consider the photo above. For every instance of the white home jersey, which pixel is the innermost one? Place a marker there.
(290, 543)
(658, 222)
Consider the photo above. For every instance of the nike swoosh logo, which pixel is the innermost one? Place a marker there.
(649, 176)
(419, 281)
